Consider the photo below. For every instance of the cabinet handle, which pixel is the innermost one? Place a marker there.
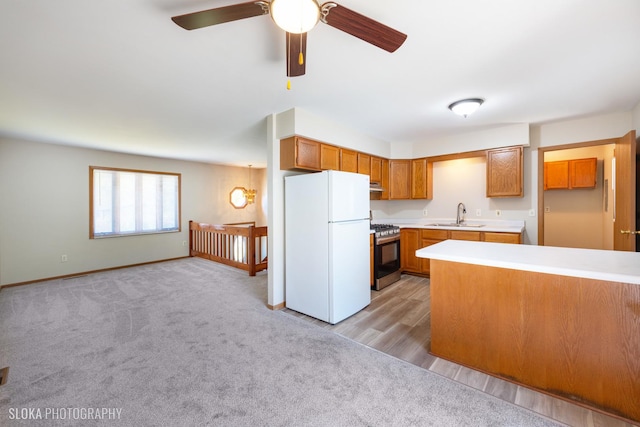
(629, 232)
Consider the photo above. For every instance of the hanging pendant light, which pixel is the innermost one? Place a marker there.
(250, 194)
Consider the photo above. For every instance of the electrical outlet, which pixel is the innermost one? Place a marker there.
(498, 213)
(184, 243)
(478, 212)
(63, 258)
(547, 209)
(425, 212)
(532, 212)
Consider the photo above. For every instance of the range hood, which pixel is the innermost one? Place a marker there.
(375, 187)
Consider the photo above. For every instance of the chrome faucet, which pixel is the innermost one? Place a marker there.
(460, 213)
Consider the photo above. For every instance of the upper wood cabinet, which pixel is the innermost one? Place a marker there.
(399, 179)
(299, 153)
(375, 171)
(421, 179)
(556, 175)
(570, 174)
(384, 180)
(329, 157)
(348, 160)
(364, 163)
(582, 173)
(505, 172)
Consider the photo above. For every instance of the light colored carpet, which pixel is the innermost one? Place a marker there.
(191, 342)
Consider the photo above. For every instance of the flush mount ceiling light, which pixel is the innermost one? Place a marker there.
(465, 107)
(295, 16)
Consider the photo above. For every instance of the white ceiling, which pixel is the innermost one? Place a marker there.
(120, 75)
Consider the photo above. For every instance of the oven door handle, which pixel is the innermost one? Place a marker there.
(386, 239)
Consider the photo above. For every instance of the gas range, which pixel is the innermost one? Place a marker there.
(386, 256)
(385, 230)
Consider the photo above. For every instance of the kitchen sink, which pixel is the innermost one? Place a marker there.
(453, 224)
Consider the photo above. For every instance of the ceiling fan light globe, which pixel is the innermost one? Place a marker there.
(295, 16)
(466, 107)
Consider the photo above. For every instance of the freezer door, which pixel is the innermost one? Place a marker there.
(349, 287)
(348, 196)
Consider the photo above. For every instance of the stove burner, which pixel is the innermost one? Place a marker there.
(385, 230)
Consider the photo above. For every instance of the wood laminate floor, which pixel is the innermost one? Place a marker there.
(397, 322)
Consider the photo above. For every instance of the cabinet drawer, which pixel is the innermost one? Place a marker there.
(465, 235)
(435, 234)
(502, 237)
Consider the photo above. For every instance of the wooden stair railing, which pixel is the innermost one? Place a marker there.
(240, 245)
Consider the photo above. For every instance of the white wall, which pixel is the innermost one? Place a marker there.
(495, 137)
(44, 213)
(585, 129)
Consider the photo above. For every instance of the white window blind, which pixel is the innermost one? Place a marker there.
(126, 202)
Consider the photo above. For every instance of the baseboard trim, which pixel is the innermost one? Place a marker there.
(277, 306)
(84, 273)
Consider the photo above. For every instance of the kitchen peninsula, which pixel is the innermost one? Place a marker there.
(560, 320)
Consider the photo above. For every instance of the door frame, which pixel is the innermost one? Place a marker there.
(541, 152)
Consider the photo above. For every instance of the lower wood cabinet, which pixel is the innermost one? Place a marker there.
(409, 244)
(412, 239)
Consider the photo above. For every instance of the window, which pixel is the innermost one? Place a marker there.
(127, 202)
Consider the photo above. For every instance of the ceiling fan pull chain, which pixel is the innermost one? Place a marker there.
(301, 56)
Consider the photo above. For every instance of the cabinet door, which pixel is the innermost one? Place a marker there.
(364, 164)
(376, 169)
(421, 177)
(504, 172)
(426, 262)
(299, 153)
(502, 237)
(348, 160)
(556, 175)
(399, 179)
(582, 173)
(385, 180)
(307, 153)
(329, 157)
(409, 241)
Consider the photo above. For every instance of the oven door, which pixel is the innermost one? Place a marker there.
(386, 261)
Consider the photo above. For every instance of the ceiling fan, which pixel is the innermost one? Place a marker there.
(296, 18)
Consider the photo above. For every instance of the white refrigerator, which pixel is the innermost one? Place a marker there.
(327, 270)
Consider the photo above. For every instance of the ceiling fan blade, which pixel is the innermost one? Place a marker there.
(362, 27)
(220, 15)
(296, 50)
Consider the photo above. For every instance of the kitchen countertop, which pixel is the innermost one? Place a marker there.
(614, 266)
(500, 226)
